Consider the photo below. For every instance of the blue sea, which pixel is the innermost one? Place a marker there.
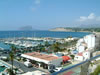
(11, 34)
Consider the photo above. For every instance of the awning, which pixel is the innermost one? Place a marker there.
(35, 59)
(66, 58)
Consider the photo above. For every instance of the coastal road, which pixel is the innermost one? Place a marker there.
(20, 65)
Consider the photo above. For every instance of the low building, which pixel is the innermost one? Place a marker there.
(96, 53)
(43, 60)
(79, 57)
(82, 56)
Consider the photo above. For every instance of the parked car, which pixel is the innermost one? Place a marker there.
(27, 64)
(51, 71)
(19, 54)
(58, 69)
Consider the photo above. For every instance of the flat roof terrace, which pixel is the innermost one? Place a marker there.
(42, 56)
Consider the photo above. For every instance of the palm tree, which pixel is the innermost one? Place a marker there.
(56, 47)
(13, 48)
(10, 71)
(11, 55)
(47, 44)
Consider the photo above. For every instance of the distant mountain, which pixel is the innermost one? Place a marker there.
(89, 26)
(27, 28)
(60, 29)
(81, 28)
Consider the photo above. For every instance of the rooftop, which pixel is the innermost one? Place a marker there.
(80, 54)
(42, 56)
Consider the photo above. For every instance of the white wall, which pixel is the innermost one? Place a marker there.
(86, 55)
(78, 58)
(81, 49)
(90, 40)
(57, 62)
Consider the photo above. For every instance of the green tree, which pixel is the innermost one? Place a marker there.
(72, 56)
(47, 44)
(10, 71)
(11, 56)
(69, 51)
(56, 47)
(13, 48)
(97, 71)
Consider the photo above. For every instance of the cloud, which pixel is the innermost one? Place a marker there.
(82, 18)
(98, 19)
(90, 19)
(36, 4)
(87, 18)
(91, 16)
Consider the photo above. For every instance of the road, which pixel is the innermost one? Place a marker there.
(21, 65)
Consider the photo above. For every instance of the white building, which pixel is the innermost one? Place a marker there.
(96, 53)
(80, 45)
(87, 45)
(88, 42)
(40, 58)
(78, 58)
(82, 56)
(86, 55)
(81, 48)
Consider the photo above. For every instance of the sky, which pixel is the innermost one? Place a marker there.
(47, 14)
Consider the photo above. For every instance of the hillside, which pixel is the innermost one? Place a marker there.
(61, 29)
(78, 29)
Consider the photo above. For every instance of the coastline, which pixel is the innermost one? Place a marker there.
(68, 31)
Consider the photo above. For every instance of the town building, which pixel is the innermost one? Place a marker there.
(85, 47)
(86, 42)
(96, 53)
(82, 56)
(43, 60)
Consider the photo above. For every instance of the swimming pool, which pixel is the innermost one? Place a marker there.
(3, 66)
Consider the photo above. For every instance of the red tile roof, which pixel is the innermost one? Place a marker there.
(42, 56)
(80, 54)
(65, 58)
